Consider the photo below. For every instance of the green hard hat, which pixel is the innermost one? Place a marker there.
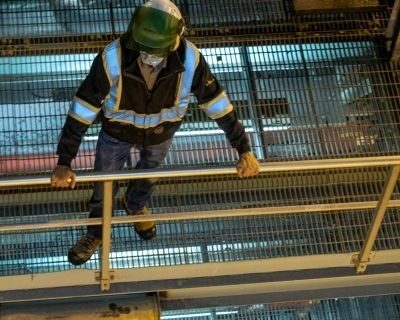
(154, 27)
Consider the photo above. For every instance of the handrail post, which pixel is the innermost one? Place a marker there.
(105, 275)
(362, 259)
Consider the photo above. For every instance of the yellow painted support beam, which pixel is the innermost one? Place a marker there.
(106, 246)
(365, 254)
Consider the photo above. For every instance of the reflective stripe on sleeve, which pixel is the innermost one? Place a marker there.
(82, 111)
(217, 107)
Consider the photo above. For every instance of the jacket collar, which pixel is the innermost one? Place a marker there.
(130, 65)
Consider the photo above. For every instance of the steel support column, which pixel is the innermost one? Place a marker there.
(105, 251)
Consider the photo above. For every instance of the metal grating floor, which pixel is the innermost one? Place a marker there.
(213, 240)
(360, 308)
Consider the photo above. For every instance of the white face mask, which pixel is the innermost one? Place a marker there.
(150, 59)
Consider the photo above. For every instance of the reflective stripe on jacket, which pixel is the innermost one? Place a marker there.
(84, 112)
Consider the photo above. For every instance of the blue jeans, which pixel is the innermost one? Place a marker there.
(111, 154)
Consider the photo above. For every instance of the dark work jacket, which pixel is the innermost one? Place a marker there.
(135, 97)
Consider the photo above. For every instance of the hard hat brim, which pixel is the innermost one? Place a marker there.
(154, 28)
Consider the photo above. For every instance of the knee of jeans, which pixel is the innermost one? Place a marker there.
(96, 205)
(147, 164)
(141, 183)
(152, 180)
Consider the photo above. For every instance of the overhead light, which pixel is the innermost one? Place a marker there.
(220, 313)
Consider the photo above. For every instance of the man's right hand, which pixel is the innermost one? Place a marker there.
(63, 176)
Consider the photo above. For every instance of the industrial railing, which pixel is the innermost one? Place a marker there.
(360, 260)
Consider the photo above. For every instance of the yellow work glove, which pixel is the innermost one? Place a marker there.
(63, 176)
(247, 165)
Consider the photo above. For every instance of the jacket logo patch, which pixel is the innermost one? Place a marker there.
(158, 130)
(210, 82)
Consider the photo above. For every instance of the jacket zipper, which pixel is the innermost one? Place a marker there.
(167, 76)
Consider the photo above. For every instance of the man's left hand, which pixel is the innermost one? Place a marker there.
(248, 165)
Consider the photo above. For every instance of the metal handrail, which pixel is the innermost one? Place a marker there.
(283, 166)
(360, 260)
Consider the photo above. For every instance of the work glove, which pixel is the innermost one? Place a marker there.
(63, 176)
(247, 165)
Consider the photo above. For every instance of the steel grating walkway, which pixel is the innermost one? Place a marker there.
(219, 240)
(366, 308)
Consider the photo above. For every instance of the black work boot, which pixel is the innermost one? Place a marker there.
(146, 230)
(83, 249)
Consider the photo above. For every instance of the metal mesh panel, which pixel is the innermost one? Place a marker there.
(368, 308)
(296, 102)
(64, 17)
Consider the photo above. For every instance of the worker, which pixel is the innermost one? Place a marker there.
(140, 84)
